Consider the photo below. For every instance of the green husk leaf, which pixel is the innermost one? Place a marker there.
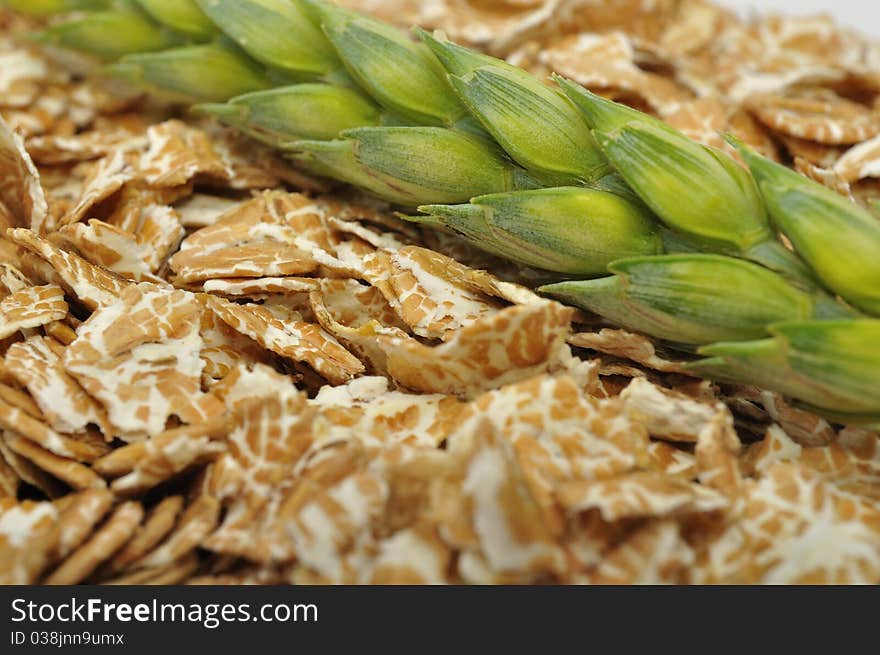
(414, 166)
(696, 190)
(692, 188)
(534, 124)
(839, 239)
(760, 363)
(203, 73)
(183, 16)
(293, 113)
(830, 365)
(399, 73)
(275, 32)
(107, 35)
(694, 298)
(604, 297)
(568, 230)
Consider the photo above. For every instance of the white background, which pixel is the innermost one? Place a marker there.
(863, 15)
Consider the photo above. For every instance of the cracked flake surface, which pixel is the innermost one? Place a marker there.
(140, 358)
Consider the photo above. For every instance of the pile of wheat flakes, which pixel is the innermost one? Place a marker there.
(214, 369)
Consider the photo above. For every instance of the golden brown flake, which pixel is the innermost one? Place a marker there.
(249, 260)
(640, 495)
(606, 62)
(669, 460)
(17, 421)
(23, 73)
(157, 525)
(45, 116)
(136, 256)
(514, 539)
(139, 356)
(251, 240)
(509, 345)
(20, 399)
(176, 153)
(332, 528)
(171, 574)
(11, 279)
(202, 210)
(363, 341)
(37, 364)
(20, 191)
(852, 465)
(9, 481)
(859, 162)
(822, 117)
(795, 529)
(28, 534)
(297, 340)
(366, 410)
(146, 464)
(431, 293)
(665, 413)
(269, 436)
(91, 285)
(27, 471)
(410, 556)
(54, 149)
(628, 345)
(259, 288)
(78, 515)
(702, 119)
(804, 427)
(717, 451)
(104, 542)
(30, 308)
(196, 522)
(558, 435)
(223, 348)
(105, 177)
(253, 166)
(827, 177)
(68, 470)
(353, 304)
(655, 554)
(62, 331)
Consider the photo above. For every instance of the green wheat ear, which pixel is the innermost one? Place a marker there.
(678, 240)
